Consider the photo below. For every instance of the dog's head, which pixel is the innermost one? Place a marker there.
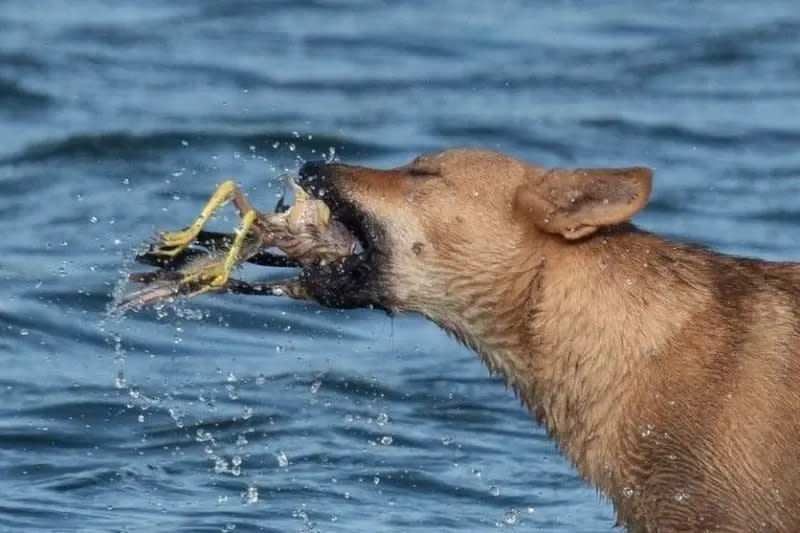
(437, 231)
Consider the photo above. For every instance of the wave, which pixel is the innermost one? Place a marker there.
(15, 98)
(674, 132)
(128, 146)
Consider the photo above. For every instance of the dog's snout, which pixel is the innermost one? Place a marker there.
(312, 168)
(317, 176)
(314, 177)
(313, 174)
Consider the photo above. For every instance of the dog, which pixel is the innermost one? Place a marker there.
(668, 374)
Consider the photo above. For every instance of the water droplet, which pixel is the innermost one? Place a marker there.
(511, 517)
(494, 490)
(292, 147)
(93, 220)
(203, 435)
(241, 441)
(24, 332)
(382, 419)
(315, 387)
(184, 143)
(176, 415)
(251, 495)
(376, 480)
(283, 461)
(248, 413)
(447, 441)
(627, 492)
(386, 440)
(260, 379)
(220, 465)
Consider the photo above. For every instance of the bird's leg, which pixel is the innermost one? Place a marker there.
(216, 275)
(173, 242)
(214, 240)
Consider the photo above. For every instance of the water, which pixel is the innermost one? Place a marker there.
(239, 414)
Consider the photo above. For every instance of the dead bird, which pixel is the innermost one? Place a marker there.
(305, 233)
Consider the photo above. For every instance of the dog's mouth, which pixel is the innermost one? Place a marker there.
(319, 180)
(353, 280)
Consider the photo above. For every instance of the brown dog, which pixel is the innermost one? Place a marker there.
(668, 374)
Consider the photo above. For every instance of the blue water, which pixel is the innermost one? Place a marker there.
(255, 414)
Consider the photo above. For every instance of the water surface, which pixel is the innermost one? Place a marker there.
(252, 414)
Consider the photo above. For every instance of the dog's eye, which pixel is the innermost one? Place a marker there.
(424, 166)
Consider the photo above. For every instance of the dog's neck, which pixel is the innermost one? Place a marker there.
(573, 327)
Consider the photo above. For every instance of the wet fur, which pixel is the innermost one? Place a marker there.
(667, 373)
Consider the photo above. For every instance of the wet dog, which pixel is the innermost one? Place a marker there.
(667, 373)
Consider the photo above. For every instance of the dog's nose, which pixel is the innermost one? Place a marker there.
(312, 169)
(313, 175)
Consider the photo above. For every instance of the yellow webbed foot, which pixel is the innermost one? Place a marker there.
(171, 243)
(208, 277)
(174, 242)
(215, 275)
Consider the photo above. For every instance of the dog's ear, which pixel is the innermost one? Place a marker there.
(576, 202)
